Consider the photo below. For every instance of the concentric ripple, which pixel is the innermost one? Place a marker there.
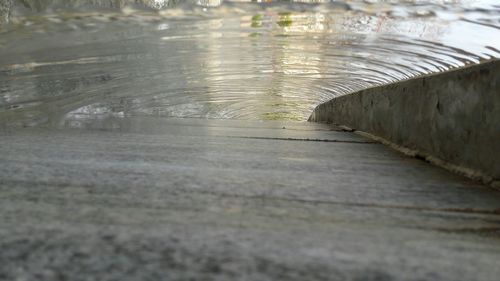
(72, 62)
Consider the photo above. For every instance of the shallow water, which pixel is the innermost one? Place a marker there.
(72, 62)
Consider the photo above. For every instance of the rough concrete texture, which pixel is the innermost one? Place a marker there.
(162, 199)
(453, 116)
(5, 11)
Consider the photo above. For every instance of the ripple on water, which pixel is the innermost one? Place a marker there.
(229, 60)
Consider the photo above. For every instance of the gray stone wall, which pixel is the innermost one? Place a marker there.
(452, 117)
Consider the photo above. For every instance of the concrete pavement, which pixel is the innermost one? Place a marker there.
(188, 199)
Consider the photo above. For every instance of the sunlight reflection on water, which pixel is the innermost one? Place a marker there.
(80, 62)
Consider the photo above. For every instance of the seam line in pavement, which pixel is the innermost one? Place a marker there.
(305, 139)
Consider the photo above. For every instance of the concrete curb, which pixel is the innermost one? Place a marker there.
(451, 119)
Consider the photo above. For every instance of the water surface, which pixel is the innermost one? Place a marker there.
(72, 62)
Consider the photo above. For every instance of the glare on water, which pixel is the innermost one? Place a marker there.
(82, 60)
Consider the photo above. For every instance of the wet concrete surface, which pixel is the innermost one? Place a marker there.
(191, 199)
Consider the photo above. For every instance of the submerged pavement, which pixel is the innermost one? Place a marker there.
(191, 199)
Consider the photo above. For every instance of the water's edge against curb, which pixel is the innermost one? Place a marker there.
(450, 119)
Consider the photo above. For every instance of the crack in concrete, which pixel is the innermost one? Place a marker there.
(306, 139)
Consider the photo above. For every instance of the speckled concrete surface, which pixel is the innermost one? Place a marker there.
(164, 199)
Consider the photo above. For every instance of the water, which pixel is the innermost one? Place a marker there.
(75, 62)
